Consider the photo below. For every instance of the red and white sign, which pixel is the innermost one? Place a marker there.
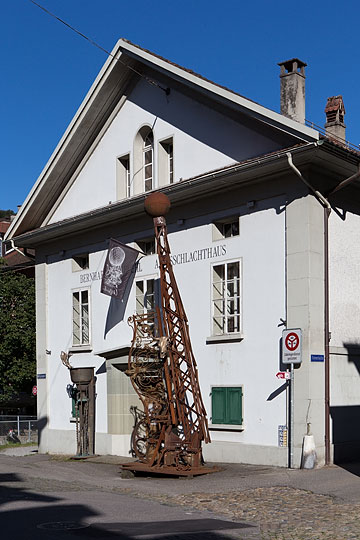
(283, 375)
(292, 341)
(34, 390)
(291, 346)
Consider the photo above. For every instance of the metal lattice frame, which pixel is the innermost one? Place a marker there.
(169, 432)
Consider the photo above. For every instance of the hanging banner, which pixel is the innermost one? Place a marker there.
(118, 267)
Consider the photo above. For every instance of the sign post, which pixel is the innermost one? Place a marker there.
(291, 354)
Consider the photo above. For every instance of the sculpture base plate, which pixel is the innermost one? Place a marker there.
(138, 467)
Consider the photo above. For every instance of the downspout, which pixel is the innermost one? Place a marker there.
(23, 253)
(327, 210)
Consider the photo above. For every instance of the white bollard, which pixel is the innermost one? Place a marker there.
(309, 457)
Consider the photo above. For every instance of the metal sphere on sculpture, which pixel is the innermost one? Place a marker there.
(157, 204)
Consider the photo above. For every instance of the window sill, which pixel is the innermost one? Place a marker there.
(225, 338)
(225, 427)
(80, 349)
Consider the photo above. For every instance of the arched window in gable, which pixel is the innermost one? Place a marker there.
(143, 164)
(148, 160)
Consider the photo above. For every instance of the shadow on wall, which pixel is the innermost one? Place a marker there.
(346, 420)
(41, 425)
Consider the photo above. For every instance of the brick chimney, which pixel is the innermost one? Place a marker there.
(292, 89)
(335, 112)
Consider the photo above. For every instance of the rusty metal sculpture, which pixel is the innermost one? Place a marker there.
(168, 434)
(83, 394)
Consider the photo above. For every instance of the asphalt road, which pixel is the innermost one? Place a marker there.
(42, 497)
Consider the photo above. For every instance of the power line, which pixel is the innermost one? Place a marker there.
(147, 79)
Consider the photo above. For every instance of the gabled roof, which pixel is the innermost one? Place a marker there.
(126, 64)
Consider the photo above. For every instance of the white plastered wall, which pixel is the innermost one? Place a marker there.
(203, 140)
(253, 362)
(344, 264)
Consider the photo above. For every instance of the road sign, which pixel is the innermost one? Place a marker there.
(291, 346)
(283, 375)
(34, 390)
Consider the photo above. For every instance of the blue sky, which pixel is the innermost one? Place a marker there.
(47, 69)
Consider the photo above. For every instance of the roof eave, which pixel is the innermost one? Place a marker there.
(246, 105)
(88, 113)
(252, 171)
(70, 132)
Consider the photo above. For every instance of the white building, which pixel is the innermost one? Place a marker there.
(249, 248)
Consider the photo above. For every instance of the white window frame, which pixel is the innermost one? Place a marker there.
(218, 228)
(80, 262)
(166, 172)
(146, 245)
(82, 342)
(237, 332)
(145, 309)
(227, 427)
(148, 149)
(123, 176)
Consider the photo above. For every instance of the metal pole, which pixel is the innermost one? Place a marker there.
(291, 441)
(18, 426)
(29, 431)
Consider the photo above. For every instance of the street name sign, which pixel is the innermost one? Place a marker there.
(291, 346)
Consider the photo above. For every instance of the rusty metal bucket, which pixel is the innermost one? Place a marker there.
(82, 375)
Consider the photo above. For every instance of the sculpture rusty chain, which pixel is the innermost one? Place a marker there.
(168, 434)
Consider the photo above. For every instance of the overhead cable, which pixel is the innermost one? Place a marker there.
(147, 79)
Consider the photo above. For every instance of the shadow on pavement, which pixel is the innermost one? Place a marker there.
(351, 467)
(11, 494)
(58, 521)
(197, 528)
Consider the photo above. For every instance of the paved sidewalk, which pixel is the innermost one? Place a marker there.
(279, 503)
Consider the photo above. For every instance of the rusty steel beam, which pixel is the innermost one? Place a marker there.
(169, 432)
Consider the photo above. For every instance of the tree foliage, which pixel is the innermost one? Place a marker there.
(6, 213)
(17, 334)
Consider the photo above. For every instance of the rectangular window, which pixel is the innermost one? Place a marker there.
(147, 246)
(166, 162)
(145, 296)
(170, 156)
(123, 177)
(226, 228)
(226, 298)
(227, 405)
(80, 262)
(81, 317)
(148, 161)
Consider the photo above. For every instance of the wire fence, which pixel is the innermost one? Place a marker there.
(23, 426)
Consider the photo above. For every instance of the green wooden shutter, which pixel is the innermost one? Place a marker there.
(218, 405)
(234, 406)
(226, 405)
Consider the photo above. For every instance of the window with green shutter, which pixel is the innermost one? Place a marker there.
(226, 405)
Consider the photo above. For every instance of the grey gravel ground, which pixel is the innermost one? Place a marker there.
(279, 504)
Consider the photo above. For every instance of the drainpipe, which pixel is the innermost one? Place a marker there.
(23, 253)
(317, 193)
(327, 210)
